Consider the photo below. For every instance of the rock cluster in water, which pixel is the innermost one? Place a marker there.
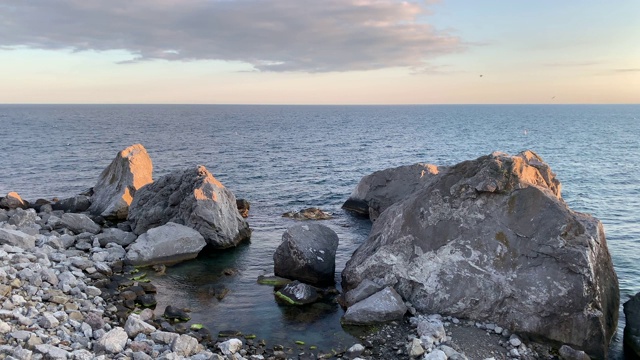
(490, 240)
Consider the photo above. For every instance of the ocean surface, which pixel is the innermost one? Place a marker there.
(284, 158)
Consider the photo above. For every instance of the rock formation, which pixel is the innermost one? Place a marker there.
(377, 191)
(492, 239)
(307, 253)
(129, 171)
(194, 198)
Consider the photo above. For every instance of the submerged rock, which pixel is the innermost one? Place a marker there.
(130, 170)
(170, 243)
(492, 240)
(307, 253)
(297, 293)
(193, 198)
(376, 192)
(308, 214)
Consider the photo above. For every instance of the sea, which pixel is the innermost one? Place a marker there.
(286, 158)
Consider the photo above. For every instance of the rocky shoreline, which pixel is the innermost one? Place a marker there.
(70, 296)
(71, 287)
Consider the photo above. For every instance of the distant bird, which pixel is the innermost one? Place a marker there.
(553, 97)
(480, 75)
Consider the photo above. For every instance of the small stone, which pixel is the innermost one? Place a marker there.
(230, 346)
(514, 353)
(185, 345)
(514, 340)
(135, 326)
(48, 321)
(114, 341)
(415, 348)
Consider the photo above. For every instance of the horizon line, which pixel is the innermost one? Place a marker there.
(310, 104)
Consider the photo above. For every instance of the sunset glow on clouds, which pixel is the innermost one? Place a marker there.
(334, 51)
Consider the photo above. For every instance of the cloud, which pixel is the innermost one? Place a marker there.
(629, 70)
(573, 64)
(271, 35)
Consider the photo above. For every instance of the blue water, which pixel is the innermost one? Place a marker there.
(284, 158)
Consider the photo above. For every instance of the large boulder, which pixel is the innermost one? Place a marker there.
(307, 253)
(492, 240)
(13, 201)
(632, 326)
(129, 171)
(193, 198)
(376, 192)
(166, 244)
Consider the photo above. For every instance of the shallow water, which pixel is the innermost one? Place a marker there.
(284, 158)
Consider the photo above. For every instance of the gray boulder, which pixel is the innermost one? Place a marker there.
(492, 240)
(377, 191)
(78, 223)
(169, 243)
(75, 204)
(13, 201)
(385, 305)
(632, 326)
(23, 218)
(130, 170)
(17, 238)
(307, 253)
(193, 198)
(365, 289)
(115, 235)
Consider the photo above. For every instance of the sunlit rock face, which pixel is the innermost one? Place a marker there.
(492, 240)
(194, 198)
(129, 171)
(12, 201)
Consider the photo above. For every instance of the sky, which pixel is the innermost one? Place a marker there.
(320, 52)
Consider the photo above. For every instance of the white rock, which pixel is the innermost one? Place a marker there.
(435, 355)
(114, 341)
(230, 346)
(135, 326)
(185, 345)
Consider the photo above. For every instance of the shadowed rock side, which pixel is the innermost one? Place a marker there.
(632, 327)
(193, 198)
(377, 191)
(491, 239)
(307, 253)
(129, 171)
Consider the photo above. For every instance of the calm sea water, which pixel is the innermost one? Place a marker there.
(284, 158)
